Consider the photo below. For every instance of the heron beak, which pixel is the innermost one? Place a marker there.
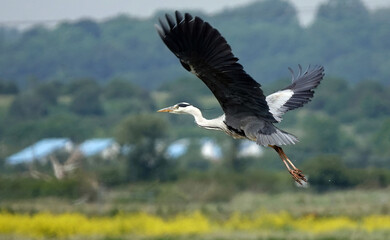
(168, 109)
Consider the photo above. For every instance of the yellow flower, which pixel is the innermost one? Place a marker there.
(65, 225)
(376, 222)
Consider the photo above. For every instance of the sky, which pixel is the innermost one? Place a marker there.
(24, 13)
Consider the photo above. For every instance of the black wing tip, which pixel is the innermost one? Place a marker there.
(160, 31)
(172, 22)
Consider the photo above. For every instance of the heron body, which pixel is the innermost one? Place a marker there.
(248, 113)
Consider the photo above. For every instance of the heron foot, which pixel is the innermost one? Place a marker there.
(297, 176)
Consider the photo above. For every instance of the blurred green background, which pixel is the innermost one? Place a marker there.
(105, 79)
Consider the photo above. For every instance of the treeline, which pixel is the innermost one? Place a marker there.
(344, 137)
(351, 121)
(350, 41)
(78, 109)
(86, 79)
(217, 185)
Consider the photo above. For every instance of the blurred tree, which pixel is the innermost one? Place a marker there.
(120, 88)
(267, 11)
(28, 106)
(139, 129)
(326, 173)
(323, 135)
(75, 85)
(330, 94)
(49, 91)
(86, 99)
(21, 133)
(270, 30)
(89, 26)
(381, 140)
(334, 19)
(231, 157)
(367, 99)
(340, 10)
(185, 89)
(7, 87)
(193, 159)
(65, 125)
(146, 160)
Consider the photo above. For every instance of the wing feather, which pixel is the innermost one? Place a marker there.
(205, 52)
(298, 93)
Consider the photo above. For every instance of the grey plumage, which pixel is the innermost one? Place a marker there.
(303, 85)
(248, 113)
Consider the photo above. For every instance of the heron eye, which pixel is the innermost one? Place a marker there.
(183, 105)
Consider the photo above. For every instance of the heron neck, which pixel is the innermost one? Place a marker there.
(215, 123)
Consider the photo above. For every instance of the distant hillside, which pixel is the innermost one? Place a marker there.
(345, 37)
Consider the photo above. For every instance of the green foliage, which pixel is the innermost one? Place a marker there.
(188, 90)
(76, 85)
(331, 96)
(381, 140)
(265, 35)
(86, 100)
(322, 135)
(28, 106)
(22, 188)
(89, 26)
(339, 10)
(146, 160)
(193, 158)
(49, 91)
(20, 134)
(7, 87)
(344, 119)
(122, 97)
(118, 89)
(327, 172)
(112, 175)
(367, 99)
(141, 128)
(269, 11)
(146, 164)
(231, 159)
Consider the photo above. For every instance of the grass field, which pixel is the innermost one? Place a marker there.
(123, 214)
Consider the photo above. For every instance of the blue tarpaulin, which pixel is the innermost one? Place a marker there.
(39, 150)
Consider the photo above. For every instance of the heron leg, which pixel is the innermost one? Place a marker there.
(294, 171)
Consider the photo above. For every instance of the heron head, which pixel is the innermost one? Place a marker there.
(179, 108)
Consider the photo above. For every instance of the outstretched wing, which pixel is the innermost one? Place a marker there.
(297, 94)
(203, 51)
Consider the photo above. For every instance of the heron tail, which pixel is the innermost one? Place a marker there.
(272, 135)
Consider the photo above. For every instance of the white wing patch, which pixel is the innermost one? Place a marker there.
(276, 101)
(193, 70)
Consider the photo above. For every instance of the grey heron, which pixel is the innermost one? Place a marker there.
(248, 113)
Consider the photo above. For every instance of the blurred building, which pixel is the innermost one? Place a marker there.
(249, 149)
(41, 150)
(210, 149)
(106, 148)
(178, 148)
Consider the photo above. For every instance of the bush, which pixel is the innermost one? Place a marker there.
(146, 160)
(28, 106)
(327, 172)
(119, 89)
(86, 102)
(8, 88)
(23, 187)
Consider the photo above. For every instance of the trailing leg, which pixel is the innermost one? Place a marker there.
(294, 171)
